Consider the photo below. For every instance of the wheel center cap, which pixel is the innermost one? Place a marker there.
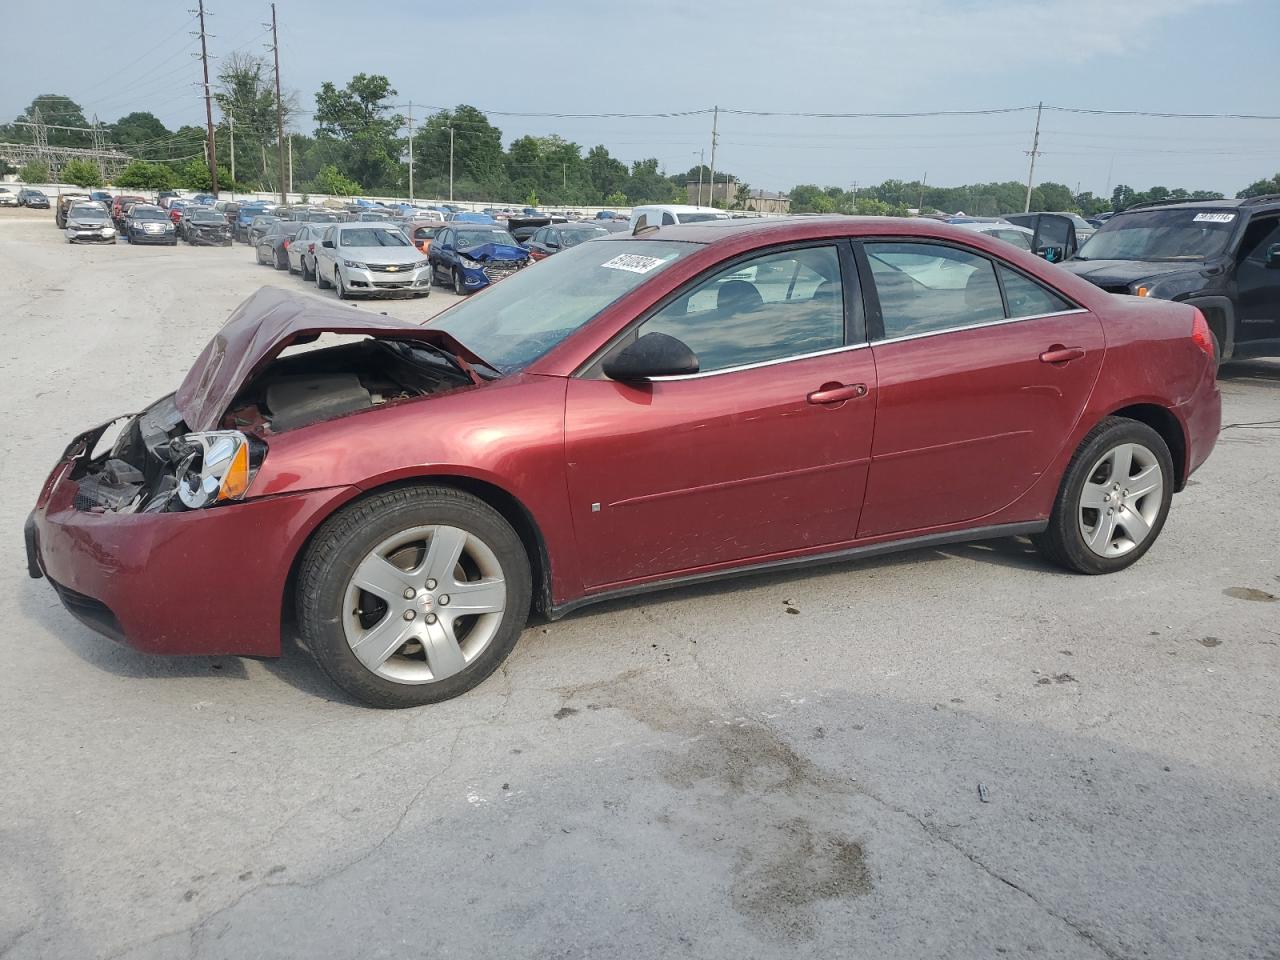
(426, 601)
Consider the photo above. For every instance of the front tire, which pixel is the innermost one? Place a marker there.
(413, 596)
(343, 292)
(459, 287)
(1113, 501)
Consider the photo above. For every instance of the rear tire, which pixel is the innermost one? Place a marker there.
(321, 282)
(337, 614)
(1109, 509)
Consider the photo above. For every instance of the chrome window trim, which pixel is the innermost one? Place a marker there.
(976, 326)
(762, 363)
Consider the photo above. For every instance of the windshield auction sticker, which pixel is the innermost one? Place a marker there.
(1213, 217)
(633, 263)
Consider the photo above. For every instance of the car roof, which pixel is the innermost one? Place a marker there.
(989, 226)
(678, 208)
(797, 227)
(1229, 203)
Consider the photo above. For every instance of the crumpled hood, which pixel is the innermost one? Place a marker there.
(1114, 273)
(495, 251)
(261, 327)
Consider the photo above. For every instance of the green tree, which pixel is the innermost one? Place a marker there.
(741, 196)
(616, 199)
(330, 181)
(143, 175)
(59, 111)
(1260, 187)
(194, 175)
(477, 148)
(606, 176)
(648, 185)
(247, 98)
(34, 171)
(138, 128)
(357, 120)
(82, 173)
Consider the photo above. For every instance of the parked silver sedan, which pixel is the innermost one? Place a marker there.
(370, 259)
(90, 222)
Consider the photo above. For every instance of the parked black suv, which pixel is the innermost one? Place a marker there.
(1222, 256)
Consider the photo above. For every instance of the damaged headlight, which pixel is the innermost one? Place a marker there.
(211, 467)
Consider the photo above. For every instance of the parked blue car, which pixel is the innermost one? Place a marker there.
(469, 257)
(244, 217)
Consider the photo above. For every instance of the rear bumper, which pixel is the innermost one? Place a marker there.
(1201, 417)
(198, 582)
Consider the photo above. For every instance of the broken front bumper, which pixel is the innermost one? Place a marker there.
(208, 581)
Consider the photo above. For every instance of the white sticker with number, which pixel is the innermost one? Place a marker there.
(1213, 217)
(633, 263)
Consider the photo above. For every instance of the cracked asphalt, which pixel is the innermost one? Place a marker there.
(700, 773)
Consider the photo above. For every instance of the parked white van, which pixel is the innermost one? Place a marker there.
(665, 214)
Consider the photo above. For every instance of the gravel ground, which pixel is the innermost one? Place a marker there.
(701, 773)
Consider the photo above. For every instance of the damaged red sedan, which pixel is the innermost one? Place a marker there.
(685, 403)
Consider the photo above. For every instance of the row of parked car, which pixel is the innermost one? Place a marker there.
(377, 252)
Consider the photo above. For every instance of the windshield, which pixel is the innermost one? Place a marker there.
(147, 213)
(468, 239)
(206, 216)
(513, 323)
(372, 237)
(88, 213)
(571, 238)
(1161, 235)
(700, 217)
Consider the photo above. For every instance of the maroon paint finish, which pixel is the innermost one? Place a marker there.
(201, 582)
(968, 421)
(802, 457)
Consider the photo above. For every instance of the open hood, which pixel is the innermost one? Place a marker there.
(261, 328)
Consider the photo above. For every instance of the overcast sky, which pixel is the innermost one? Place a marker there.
(817, 56)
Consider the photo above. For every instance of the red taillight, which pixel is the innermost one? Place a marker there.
(1202, 335)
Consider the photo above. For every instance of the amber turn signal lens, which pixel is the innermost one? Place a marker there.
(1142, 291)
(236, 480)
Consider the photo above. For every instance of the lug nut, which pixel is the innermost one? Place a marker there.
(431, 584)
(409, 614)
(430, 618)
(408, 593)
(444, 599)
(1106, 498)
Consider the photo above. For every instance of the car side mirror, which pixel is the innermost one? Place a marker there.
(1052, 252)
(653, 355)
(327, 243)
(1272, 261)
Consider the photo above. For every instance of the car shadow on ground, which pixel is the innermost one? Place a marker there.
(1260, 372)
(296, 667)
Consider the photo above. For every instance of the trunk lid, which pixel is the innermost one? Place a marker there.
(261, 328)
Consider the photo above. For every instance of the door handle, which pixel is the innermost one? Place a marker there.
(1060, 354)
(838, 392)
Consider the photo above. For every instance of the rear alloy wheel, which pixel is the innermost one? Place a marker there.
(302, 268)
(1114, 499)
(413, 596)
(321, 282)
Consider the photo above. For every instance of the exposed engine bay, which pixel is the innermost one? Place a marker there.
(156, 465)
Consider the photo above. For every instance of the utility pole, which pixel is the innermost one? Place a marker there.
(923, 181)
(715, 121)
(411, 151)
(231, 131)
(99, 145)
(564, 176)
(1035, 152)
(702, 162)
(210, 144)
(451, 163)
(275, 48)
(291, 163)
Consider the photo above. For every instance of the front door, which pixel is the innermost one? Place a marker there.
(1257, 286)
(763, 452)
(982, 374)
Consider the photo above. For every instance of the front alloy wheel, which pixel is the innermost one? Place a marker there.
(414, 595)
(459, 286)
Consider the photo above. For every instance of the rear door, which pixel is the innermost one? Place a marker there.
(762, 453)
(982, 370)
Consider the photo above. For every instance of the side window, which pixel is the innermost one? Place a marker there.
(769, 308)
(928, 288)
(642, 221)
(1258, 238)
(667, 219)
(1026, 298)
(328, 234)
(1016, 237)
